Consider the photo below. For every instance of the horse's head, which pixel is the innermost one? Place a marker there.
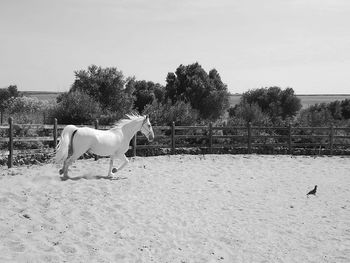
(146, 129)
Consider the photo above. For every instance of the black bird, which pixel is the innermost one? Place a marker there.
(313, 191)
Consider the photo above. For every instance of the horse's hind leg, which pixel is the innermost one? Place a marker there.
(74, 153)
(64, 170)
(66, 164)
(71, 158)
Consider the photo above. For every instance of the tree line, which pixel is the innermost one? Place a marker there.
(190, 96)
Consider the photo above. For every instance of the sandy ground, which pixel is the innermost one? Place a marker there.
(212, 208)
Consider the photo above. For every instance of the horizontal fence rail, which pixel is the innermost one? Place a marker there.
(209, 137)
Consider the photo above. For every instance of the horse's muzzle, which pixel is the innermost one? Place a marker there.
(150, 137)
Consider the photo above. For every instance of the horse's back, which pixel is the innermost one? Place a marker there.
(91, 132)
(101, 142)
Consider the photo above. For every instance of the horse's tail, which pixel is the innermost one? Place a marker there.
(62, 149)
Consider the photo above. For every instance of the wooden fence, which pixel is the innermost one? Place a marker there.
(209, 137)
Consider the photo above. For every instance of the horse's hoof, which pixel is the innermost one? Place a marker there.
(61, 171)
(114, 170)
(64, 178)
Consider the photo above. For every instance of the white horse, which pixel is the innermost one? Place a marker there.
(76, 141)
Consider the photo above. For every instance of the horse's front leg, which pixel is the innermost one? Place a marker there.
(125, 162)
(110, 173)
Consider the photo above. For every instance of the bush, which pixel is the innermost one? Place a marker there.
(76, 108)
(274, 101)
(244, 113)
(28, 110)
(107, 86)
(204, 91)
(164, 114)
(26, 105)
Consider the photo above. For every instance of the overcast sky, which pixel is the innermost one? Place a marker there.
(303, 44)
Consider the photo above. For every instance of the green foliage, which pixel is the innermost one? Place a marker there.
(13, 91)
(165, 113)
(205, 92)
(324, 114)
(345, 109)
(76, 108)
(145, 92)
(335, 108)
(245, 113)
(28, 109)
(27, 105)
(6, 94)
(316, 115)
(214, 105)
(21, 109)
(274, 101)
(107, 86)
(97, 92)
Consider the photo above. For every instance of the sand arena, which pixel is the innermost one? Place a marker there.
(212, 208)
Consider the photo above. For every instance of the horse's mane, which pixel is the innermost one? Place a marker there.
(130, 117)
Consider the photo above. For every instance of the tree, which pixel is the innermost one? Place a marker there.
(205, 92)
(316, 115)
(345, 109)
(145, 92)
(107, 86)
(5, 95)
(76, 107)
(335, 107)
(244, 113)
(165, 113)
(274, 101)
(335, 112)
(28, 109)
(26, 105)
(290, 103)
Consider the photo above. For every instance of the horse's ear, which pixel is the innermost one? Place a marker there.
(147, 116)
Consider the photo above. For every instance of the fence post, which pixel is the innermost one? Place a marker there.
(134, 144)
(10, 144)
(210, 137)
(331, 139)
(55, 133)
(173, 137)
(290, 138)
(249, 137)
(96, 127)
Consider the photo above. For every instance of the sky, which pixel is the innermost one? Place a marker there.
(302, 44)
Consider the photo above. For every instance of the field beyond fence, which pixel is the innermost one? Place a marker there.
(35, 143)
